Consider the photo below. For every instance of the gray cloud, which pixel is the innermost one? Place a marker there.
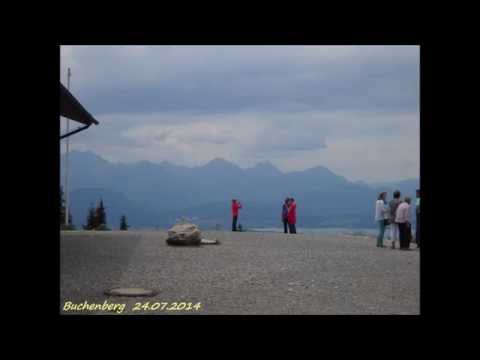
(298, 106)
(162, 136)
(158, 78)
(283, 137)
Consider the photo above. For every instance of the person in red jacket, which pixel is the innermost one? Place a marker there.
(235, 207)
(292, 216)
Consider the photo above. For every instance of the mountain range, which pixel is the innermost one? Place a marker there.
(155, 195)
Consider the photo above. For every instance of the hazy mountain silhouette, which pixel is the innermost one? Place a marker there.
(263, 169)
(153, 194)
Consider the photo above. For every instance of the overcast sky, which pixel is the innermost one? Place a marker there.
(353, 109)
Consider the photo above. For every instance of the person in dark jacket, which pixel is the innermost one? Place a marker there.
(292, 216)
(284, 215)
(235, 207)
(417, 212)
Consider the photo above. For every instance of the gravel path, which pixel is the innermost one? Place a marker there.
(249, 273)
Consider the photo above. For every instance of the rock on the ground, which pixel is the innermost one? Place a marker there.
(210, 242)
(184, 234)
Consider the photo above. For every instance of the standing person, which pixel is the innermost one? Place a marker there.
(403, 221)
(380, 210)
(386, 213)
(393, 213)
(284, 215)
(236, 206)
(417, 213)
(292, 216)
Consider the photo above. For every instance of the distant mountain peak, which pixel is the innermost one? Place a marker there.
(146, 162)
(320, 169)
(85, 156)
(265, 163)
(219, 162)
(83, 153)
(265, 167)
(166, 163)
(362, 183)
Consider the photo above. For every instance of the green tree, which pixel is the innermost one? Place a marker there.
(100, 215)
(62, 208)
(70, 226)
(123, 223)
(90, 225)
(96, 217)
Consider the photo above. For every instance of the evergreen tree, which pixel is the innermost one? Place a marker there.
(62, 207)
(100, 215)
(70, 221)
(90, 225)
(123, 223)
(96, 217)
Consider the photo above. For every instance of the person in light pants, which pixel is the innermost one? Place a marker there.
(394, 231)
(380, 210)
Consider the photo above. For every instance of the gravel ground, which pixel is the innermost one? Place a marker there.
(248, 273)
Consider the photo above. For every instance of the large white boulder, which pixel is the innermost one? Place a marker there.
(184, 234)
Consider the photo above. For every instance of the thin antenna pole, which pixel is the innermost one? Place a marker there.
(67, 192)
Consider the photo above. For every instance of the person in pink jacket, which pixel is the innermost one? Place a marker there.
(292, 216)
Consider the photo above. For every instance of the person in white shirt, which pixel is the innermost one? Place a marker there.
(404, 223)
(380, 213)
